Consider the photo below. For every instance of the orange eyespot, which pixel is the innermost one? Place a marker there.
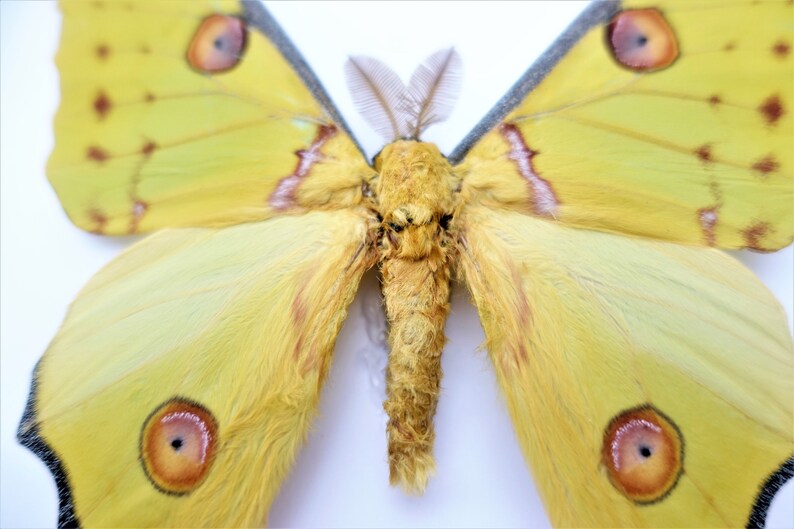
(178, 444)
(643, 453)
(218, 44)
(642, 40)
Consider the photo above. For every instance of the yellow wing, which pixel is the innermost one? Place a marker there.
(191, 113)
(187, 372)
(650, 384)
(697, 151)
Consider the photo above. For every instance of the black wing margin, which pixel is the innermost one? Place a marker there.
(599, 12)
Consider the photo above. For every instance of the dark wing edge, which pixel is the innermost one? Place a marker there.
(599, 12)
(259, 17)
(767, 493)
(29, 436)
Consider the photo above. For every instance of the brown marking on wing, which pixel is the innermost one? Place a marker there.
(715, 190)
(781, 48)
(754, 233)
(729, 46)
(766, 165)
(102, 51)
(98, 218)
(102, 105)
(524, 311)
(704, 153)
(145, 49)
(299, 309)
(149, 97)
(715, 100)
(708, 218)
(522, 354)
(148, 148)
(139, 206)
(772, 109)
(544, 199)
(139, 209)
(97, 154)
(283, 197)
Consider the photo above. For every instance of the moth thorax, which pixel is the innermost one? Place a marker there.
(415, 185)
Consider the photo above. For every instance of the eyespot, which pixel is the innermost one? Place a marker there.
(642, 40)
(643, 453)
(218, 44)
(178, 443)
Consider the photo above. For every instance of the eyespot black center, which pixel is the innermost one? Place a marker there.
(645, 451)
(642, 40)
(176, 444)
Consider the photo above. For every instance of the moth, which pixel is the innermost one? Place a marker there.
(507, 215)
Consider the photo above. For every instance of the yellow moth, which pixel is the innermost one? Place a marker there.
(647, 388)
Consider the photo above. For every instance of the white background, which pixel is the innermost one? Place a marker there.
(341, 478)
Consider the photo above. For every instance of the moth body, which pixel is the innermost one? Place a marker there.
(647, 375)
(415, 200)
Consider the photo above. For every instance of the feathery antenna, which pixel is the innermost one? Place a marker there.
(433, 89)
(397, 111)
(378, 94)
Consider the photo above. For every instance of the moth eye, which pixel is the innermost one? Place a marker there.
(178, 443)
(643, 453)
(218, 44)
(642, 40)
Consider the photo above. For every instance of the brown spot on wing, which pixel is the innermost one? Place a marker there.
(148, 148)
(753, 235)
(102, 105)
(781, 48)
(145, 49)
(715, 100)
(98, 218)
(772, 109)
(704, 153)
(729, 46)
(102, 51)
(97, 154)
(766, 165)
(149, 97)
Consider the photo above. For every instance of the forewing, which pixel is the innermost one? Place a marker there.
(583, 327)
(154, 129)
(239, 322)
(698, 151)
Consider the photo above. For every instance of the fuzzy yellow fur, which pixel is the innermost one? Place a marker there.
(582, 325)
(194, 313)
(415, 193)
